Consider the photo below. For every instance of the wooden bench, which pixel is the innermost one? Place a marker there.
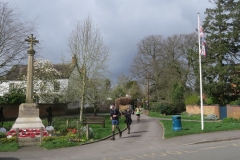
(94, 120)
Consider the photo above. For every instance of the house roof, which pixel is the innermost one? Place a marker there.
(17, 71)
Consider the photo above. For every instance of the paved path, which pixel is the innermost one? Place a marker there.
(145, 136)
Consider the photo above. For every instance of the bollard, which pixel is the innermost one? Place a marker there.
(87, 131)
(41, 135)
(17, 134)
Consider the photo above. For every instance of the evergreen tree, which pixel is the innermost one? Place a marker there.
(222, 28)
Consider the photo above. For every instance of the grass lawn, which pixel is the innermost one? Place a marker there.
(183, 116)
(189, 127)
(62, 137)
(98, 133)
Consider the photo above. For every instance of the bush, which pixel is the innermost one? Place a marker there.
(64, 130)
(167, 108)
(230, 120)
(16, 96)
(8, 140)
(155, 106)
(193, 99)
(236, 102)
(211, 100)
(49, 138)
(2, 135)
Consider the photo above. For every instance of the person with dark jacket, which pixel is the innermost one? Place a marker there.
(1, 117)
(115, 114)
(50, 115)
(128, 119)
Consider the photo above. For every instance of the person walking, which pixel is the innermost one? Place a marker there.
(138, 112)
(115, 114)
(50, 115)
(1, 117)
(128, 119)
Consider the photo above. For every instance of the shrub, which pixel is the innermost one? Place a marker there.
(230, 120)
(178, 107)
(64, 130)
(193, 99)
(8, 140)
(211, 100)
(167, 108)
(236, 102)
(16, 96)
(2, 135)
(49, 138)
(155, 107)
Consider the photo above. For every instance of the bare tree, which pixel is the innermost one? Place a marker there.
(148, 61)
(164, 62)
(86, 43)
(12, 35)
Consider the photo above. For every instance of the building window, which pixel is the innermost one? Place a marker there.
(56, 100)
(56, 86)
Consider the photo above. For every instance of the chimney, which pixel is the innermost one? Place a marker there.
(74, 60)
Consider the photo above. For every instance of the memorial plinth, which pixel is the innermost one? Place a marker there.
(28, 117)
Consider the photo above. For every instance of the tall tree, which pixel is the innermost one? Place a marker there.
(222, 28)
(164, 62)
(46, 86)
(86, 43)
(12, 34)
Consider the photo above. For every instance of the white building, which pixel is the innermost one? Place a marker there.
(57, 88)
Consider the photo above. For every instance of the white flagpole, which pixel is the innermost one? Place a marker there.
(200, 70)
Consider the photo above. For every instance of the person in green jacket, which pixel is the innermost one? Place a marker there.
(138, 112)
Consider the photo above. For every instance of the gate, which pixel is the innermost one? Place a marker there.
(223, 112)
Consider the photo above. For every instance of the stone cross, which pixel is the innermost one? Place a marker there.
(29, 91)
(32, 41)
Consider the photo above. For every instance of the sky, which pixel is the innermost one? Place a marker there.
(122, 23)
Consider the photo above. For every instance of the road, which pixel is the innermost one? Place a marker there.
(145, 142)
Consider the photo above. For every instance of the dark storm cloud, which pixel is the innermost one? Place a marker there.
(123, 23)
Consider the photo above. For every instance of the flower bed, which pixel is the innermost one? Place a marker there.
(32, 133)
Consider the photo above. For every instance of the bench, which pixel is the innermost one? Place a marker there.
(94, 120)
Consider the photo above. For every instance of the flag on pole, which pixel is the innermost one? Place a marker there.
(203, 49)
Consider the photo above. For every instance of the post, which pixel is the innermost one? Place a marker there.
(148, 93)
(17, 134)
(67, 122)
(87, 132)
(200, 71)
(41, 135)
(31, 52)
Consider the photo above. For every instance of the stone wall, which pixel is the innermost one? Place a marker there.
(233, 111)
(209, 109)
(11, 111)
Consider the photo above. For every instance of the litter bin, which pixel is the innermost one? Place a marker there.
(176, 123)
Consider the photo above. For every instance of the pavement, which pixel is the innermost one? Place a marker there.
(148, 133)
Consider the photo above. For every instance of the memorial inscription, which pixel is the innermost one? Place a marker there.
(28, 110)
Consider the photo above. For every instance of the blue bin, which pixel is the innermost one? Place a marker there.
(176, 123)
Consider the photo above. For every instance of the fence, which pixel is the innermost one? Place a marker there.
(233, 111)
